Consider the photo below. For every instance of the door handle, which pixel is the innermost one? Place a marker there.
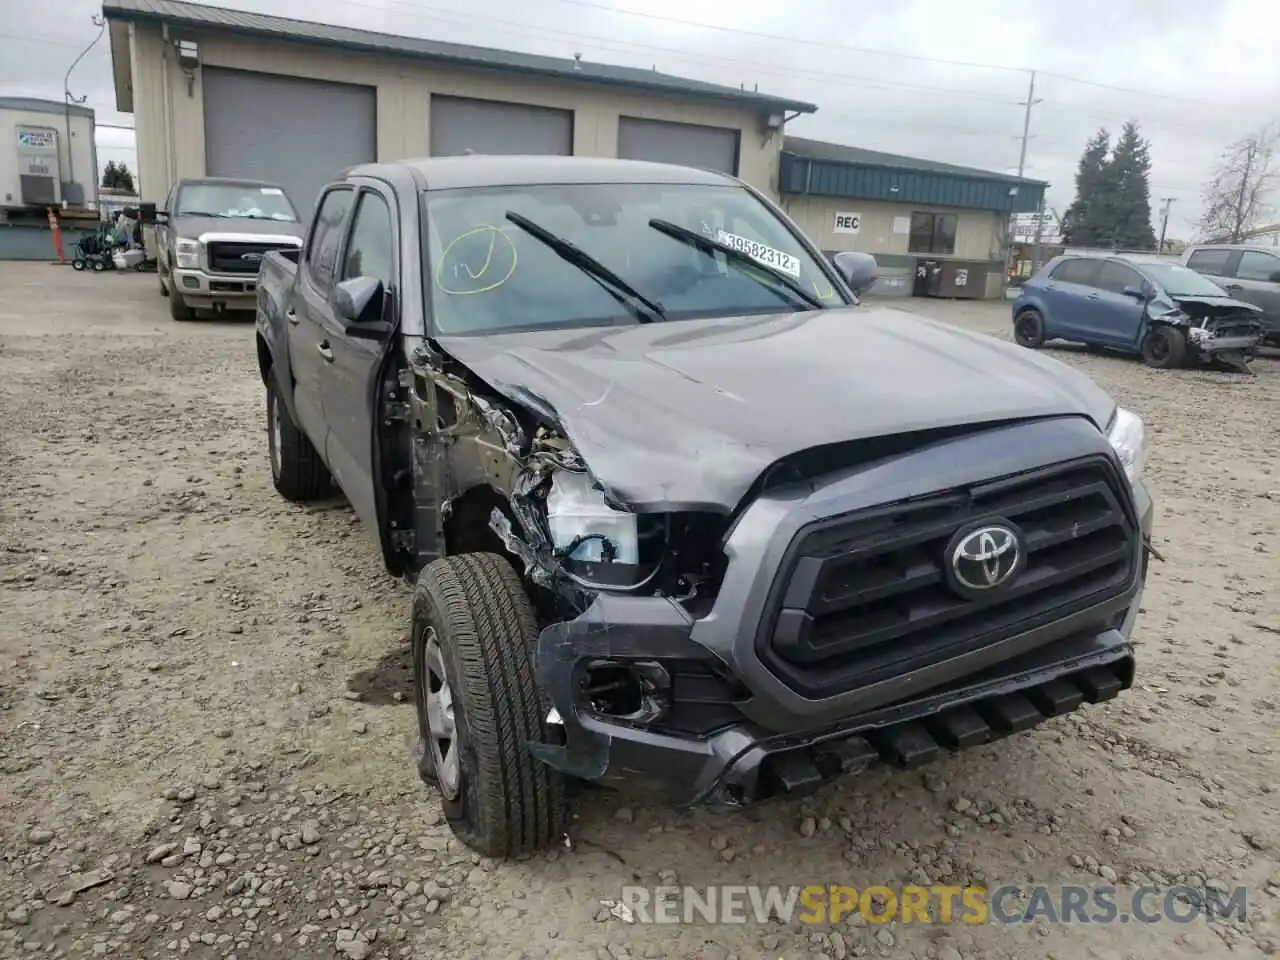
(1235, 286)
(292, 316)
(1093, 296)
(325, 350)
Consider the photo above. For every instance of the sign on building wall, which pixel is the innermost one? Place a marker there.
(902, 225)
(37, 152)
(847, 223)
(36, 137)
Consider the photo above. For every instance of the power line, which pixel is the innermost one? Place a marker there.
(739, 31)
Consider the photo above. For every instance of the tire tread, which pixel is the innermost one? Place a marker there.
(521, 802)
(303, 475)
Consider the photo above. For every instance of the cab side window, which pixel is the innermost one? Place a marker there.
(369, 251)
(1256, 265)
(326, 236)
(1210, 261)
(1114, 277)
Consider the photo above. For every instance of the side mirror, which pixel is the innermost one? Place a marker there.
(1138, 293)
(858, 270)
(358, 300)
(160, 216)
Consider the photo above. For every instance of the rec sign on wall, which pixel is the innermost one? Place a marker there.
(847, 223)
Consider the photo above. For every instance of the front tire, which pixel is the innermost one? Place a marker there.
(179, 311)
(1028, 329)
(1164, 348)
(478, 706)
(298, 473)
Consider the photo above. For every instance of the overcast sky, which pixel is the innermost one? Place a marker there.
(1195, 74)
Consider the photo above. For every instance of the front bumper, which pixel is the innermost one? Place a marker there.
(779, 742)
(1245, 345)
(208, 291)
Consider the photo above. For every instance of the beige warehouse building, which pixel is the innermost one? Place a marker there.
(218, 92)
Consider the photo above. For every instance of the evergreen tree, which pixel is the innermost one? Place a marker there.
(124, 178)
(1130, 172)
(1084, 224)
(118, 176)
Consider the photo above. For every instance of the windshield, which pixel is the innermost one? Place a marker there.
(1180, 281)
(234, 201)
(487, 274)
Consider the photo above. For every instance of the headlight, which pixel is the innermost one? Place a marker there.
(1128, 437)
(586, 528)
(188, 254)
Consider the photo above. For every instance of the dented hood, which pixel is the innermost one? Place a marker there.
(1216, 305)
(688, 414)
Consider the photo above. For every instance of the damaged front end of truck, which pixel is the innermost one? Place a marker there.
(499, 474)
(715, 623)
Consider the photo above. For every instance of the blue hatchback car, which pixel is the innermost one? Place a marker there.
(1164, 312)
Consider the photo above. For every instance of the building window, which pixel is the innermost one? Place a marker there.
(933, 233)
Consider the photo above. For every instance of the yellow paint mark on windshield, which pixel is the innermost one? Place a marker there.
(821, 295)
(494, 234)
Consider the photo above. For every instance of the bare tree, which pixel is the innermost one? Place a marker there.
(1237, 198)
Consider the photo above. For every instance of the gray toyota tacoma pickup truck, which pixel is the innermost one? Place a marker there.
(681, 516)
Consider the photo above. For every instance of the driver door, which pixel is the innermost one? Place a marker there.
(310, 353)
(351, 390)
(1119, 315)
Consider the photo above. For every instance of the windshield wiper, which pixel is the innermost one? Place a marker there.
(758, 271)
(640, 306)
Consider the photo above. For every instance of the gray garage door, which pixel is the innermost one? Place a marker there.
(460, 124)
(294, 132)
(713, 148)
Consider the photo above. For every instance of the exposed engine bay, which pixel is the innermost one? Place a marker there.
(1228, 333)
(507, 471)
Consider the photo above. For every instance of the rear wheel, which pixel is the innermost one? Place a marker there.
(297, 471)
(1164, 348)
(1028, 329)
(479, 706)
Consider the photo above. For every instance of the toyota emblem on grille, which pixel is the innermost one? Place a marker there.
(252, 257)
(985, 558)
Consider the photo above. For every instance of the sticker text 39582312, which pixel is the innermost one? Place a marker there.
(762, 253)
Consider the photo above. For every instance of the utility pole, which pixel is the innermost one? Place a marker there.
(1030, 102)
(1164, 220)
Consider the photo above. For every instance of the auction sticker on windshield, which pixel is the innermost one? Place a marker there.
(761, 253)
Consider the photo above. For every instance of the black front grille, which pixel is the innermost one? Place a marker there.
(233, 256)
(865, 596)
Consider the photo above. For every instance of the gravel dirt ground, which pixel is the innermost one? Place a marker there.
(207, 738)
